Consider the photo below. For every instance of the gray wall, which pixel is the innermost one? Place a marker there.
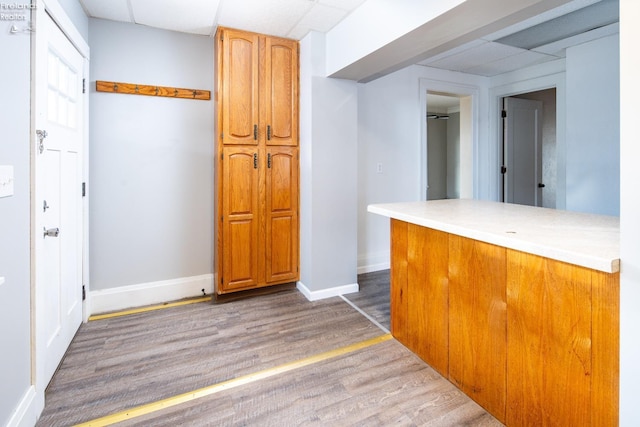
(436, 158)
(328, 173)
(74, 10)
(15, 318)
(593, 127)
(151, 173)
(549, 159)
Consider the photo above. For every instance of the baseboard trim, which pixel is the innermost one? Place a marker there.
(28, 410)
(131, 296)
(373, 267)
(327, 293)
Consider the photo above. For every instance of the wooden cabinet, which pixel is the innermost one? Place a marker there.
(533, 340)
(257, 161)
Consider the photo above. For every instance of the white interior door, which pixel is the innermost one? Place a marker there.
(58, 213)
(523, 152)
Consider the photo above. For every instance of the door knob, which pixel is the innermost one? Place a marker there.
(52, 232)
(540, 185)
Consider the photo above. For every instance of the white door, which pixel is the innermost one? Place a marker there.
(57, 210)
(522, 173)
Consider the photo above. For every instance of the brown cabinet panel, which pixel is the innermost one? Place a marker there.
(399, 281)
(477, 321)
(428, 290)
(282, 214)
(549, 348)
(240, 218)
(240, 88)
(281, 91)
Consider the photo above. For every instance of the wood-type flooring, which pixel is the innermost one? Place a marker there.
(119, 363)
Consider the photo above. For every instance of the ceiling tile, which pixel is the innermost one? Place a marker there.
(194, 16)
(510, 63)
(274, 17)
(481, 54)
(348, 5)
(115, 10)
(320, 18)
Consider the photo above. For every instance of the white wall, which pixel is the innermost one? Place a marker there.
(391, 115)
(361, 33)
(629, 214)
(15, 318)
(151, 173)
(328, 185)
(593, 121)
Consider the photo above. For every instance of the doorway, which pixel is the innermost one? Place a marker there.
(449, 138)
(529, 159)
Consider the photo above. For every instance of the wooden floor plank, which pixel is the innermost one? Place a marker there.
(118, 363)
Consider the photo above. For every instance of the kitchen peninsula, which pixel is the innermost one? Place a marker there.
(517, 306)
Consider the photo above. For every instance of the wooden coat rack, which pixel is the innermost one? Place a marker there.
(148, 90)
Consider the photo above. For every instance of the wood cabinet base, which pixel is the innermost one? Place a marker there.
(533, 340)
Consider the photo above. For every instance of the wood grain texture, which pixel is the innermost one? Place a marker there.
(428, 296)
(281, 91)
(128, 361)
(399, 281)
(242, 251)
(282, 200)
(477, 321)
(379, 386)
(549, 342)
(240, 87)
(605, 340)
(151, 90)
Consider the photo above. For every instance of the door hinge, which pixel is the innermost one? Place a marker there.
(504, 114)
(84, 85)
(84, 189)
(222, 136)
(503, 169)
(84, 293)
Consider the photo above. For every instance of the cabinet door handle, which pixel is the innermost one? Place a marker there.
(255, 160)
(255, 132)
(268, 132)
(269, 160)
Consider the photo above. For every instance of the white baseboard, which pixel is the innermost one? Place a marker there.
(131, 296)
(327, 293)
(373, 267)
(28, 410)
(369, 263)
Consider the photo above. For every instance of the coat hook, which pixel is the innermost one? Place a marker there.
(175, 92)
(137, 89)
(157, 90)
(115, 87)
(194, 93)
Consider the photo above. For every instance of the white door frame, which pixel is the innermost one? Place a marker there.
(58, 15)
(555, 80)
(427, 85)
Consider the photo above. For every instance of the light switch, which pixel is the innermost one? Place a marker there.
(6, 180)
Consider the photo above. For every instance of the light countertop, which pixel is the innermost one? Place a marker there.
(587, 240)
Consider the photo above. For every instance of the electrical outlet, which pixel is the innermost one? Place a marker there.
(379, 168)
(6, 181)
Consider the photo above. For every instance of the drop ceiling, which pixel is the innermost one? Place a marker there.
(535, 40)
(284, 18)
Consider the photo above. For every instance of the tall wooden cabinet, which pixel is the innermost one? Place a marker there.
(257, 161)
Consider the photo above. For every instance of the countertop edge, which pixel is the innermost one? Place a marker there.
(603, 264)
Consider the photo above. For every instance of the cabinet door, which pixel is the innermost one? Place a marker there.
(240, 223)
(281, 91)
(240, 80)
(282, 214)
